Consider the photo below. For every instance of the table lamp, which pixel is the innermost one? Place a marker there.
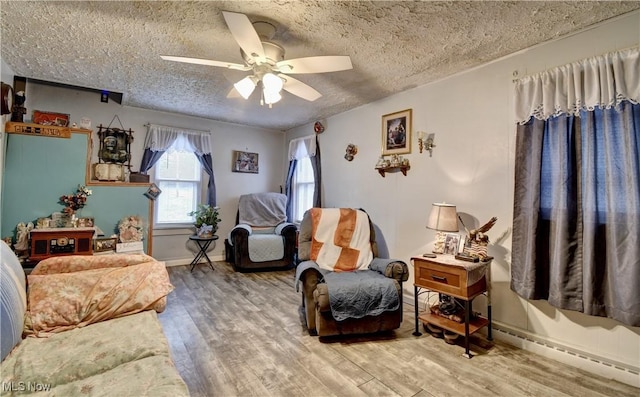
(443, 218)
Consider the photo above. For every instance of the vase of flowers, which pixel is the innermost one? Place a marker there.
(206, 220)
(74, 202)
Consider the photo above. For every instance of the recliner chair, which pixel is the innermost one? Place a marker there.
(319, 315)
(262, 237)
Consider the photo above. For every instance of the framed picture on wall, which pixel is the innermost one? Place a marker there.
(396, 132)
(245, 162)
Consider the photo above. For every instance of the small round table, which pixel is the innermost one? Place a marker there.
(203, 244)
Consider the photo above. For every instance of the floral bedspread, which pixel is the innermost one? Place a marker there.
(75, 263)
(127, 356)
(63, 301)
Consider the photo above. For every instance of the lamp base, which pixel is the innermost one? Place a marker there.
(438, 245)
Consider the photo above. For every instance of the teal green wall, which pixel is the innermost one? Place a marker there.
(38, 170)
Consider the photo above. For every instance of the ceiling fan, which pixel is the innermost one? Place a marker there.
(270, 71)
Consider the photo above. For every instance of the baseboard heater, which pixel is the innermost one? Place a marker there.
(611, 369)
(621, 372)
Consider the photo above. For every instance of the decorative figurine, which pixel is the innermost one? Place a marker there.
(352, 150)
(477, 240)
(318, 128)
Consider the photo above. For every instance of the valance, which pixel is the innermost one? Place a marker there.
(603, 81)
(161, 138)
(300, 148)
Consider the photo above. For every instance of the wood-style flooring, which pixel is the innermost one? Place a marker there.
(240, 334)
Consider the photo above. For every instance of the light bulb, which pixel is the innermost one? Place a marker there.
(271, 96)
(245, 86)
(272, 82)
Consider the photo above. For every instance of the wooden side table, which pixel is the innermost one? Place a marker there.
(460, 279)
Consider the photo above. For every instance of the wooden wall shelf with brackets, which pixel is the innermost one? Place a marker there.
(400, 168)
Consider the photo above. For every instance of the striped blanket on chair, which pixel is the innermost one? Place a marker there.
(340, 241)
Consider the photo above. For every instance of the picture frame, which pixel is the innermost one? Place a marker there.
(50, 118)
(462, 244)
(102, 244)
(153, 192)
(114, 145)
(451, 243)
(396, 132)
(85, 222)
(245, 162)
(43, 223)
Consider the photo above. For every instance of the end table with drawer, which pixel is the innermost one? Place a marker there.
(460, 279)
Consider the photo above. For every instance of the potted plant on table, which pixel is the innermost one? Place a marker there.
(206, 220)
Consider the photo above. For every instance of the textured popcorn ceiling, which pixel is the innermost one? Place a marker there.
(393, 45)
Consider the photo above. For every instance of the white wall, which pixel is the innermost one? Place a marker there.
(471, 115)
(172, 245)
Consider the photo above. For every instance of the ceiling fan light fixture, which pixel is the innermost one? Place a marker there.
(245, 86)
(266, 60)
(271, 97)
(272, 83)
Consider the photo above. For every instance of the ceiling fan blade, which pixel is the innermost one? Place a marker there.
(298, 88)
(244, 33)
(206, 62)
(319, 64)
(233, 93)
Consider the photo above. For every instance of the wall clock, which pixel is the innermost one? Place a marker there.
(7, 99)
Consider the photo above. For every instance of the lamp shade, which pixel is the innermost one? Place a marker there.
(443, 218)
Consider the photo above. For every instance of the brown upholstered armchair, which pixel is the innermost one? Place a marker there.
(316, 299)
(262, 237)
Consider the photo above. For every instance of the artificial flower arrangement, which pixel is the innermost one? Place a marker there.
(130, 228)
(74, 202)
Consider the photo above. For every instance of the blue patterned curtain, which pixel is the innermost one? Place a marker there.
(288, 188)
(576, 239)
(207, 163)
(576, 225)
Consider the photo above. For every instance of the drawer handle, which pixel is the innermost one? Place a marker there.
(438, 278)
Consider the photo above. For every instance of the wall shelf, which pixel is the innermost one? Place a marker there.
(54, 131)
(400, 168)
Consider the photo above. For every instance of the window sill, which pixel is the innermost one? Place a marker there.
(173, 230)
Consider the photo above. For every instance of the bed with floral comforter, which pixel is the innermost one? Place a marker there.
(92, 332)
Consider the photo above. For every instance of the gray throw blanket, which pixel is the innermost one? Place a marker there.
(262, 209)
(356, 294)
(360, 293)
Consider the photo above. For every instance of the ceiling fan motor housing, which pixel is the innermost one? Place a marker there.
(273, 52)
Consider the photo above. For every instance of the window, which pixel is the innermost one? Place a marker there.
(303, 188)
(178, 175)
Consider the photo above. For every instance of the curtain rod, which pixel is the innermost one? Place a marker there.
(177, 128)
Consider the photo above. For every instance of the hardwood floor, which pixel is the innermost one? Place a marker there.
(240, 334)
